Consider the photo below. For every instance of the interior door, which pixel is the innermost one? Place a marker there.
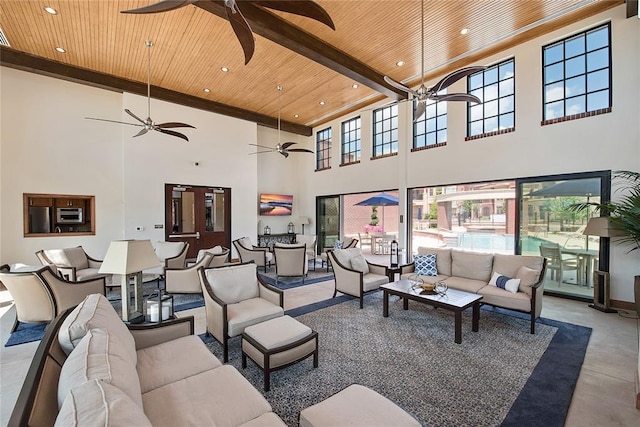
(198, 215)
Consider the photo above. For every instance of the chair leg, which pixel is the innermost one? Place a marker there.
(361, 301)
(225, 349)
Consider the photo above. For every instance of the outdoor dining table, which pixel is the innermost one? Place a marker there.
(586, 262)
(381, 242)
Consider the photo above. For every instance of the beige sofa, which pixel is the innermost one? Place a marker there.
(90, 369)
(472, 272)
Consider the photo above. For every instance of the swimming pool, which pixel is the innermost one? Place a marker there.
(500, 243)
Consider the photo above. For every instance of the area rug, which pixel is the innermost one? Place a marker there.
(293, 282)
(26, 332)
(501, 375)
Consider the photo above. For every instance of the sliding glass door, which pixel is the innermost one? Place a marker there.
(328, 221)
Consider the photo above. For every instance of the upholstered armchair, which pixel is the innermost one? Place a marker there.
(220, 257)
(236, 297)
(290, 260)
(186, 280)
(310, 242)
(66, 293)
(354, 275)
(71, 263)
(170, 255)
(247, 252)
(347, 243)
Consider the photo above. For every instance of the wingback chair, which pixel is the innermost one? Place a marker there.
(291, 260)
(354, 275)
(247, 252)
(66, 293)
(186, 280)
(220, 256)
(170, 255)
(71, 263)
(346, 243)
(236, 297)
(311, 243)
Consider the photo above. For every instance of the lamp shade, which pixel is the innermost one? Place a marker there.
(304, 220)
(601, 226)
(129, 256)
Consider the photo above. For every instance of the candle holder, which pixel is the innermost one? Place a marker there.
(158, 308)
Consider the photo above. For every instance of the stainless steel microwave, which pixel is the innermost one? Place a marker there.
(69, 216)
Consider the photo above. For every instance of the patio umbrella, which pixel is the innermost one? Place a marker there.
(380, 199)
(574, 187)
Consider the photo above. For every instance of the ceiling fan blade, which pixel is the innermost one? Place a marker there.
(286, 145)
(173, 133)
(299, 150)
(284, 153)
(449, 79)
(243, 32)
(135, 117)
(142, 132)
(162, 6)
(262, 152)
(456, 97)
(113, 121)
(420, 109)
(400, 86)
(307, 8)
(174, 125)
(263, 146)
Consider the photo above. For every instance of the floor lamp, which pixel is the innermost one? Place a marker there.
(304, 220)
(601, 227)
(128, 258)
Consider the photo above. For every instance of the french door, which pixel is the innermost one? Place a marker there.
(328, 221)
(198, 215)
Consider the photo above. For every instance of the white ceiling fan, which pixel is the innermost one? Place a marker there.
(422, 94)
(282, 148)
(149, 124)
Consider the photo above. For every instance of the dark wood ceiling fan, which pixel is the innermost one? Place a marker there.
(239, 24)
(149, 124)
(422, 94)
(282, 148)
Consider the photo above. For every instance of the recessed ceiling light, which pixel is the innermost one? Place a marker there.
(355, 86)
(296, 115)
(464, 31)
(51, 10)
(61, 50)
(400, 63)
(206, 90)
(321, 102)
(224, 69)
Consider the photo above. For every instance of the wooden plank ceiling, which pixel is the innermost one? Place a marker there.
(192, 44)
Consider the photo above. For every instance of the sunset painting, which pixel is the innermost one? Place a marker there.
(275, 204)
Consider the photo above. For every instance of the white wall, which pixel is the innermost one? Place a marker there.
(605, 142)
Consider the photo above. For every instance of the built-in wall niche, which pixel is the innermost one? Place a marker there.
(50, 215)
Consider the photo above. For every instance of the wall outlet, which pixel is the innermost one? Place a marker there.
(140, 228)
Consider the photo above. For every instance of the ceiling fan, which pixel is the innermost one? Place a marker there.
(284, 147)
(149, 124)
(239, 24)
(423, 93)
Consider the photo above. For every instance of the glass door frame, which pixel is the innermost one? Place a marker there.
(321, 231)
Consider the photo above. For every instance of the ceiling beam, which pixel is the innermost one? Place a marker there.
(276, 29)
(632, 8)
(14, 59)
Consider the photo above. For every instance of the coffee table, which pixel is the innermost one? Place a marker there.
(453, 300)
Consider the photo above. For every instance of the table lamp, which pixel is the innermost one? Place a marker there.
(128, 258)
(304, 220)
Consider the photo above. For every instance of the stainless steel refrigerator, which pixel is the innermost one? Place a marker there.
(39, 219)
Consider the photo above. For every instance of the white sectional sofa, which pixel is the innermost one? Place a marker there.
(91, 369)
(473, 271)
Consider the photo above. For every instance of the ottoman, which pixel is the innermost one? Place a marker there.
(278, 343)
(356, 405)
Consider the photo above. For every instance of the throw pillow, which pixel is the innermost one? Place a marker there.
(360, 263)
(426, 265)
(528, 277)
(337, 244)
(504, 282)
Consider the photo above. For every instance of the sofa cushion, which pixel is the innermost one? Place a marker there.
(250, 312)
(464, 284)
(99, 404)
(100, 355)
(503, 282)
(234, 283)
(426, 265)
(472, 265)
(528, 277)
(426, 279)
(443, 258)
(373, 281)
(510, 264)
(88, 273)
(153, 362)
(359, 263)
(265, 420)
(166, 250)
(94, 312)
(69, 257)
(218, 397)
(496, 296)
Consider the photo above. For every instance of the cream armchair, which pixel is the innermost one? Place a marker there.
(71, 263)
(354, 275)
(310, 242)
(291, 260)
(347, 243)
(186, 280)
(247, 252)
(220, 257)
(170, 255)
(67, 294)
(236, 297)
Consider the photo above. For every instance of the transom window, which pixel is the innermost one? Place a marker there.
(577, 74)
(495, 86)
(431, 129)
(351, 140)
(323, 149)
(385, 131)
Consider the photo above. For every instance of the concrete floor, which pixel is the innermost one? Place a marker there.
(604, 395)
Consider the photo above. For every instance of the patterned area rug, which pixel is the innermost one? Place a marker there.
(494, 377)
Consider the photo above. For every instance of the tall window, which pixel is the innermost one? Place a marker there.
(351, 141)
(385, 130)
(495, 87)
(577, 74)
(431, 129)
(323, 149)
